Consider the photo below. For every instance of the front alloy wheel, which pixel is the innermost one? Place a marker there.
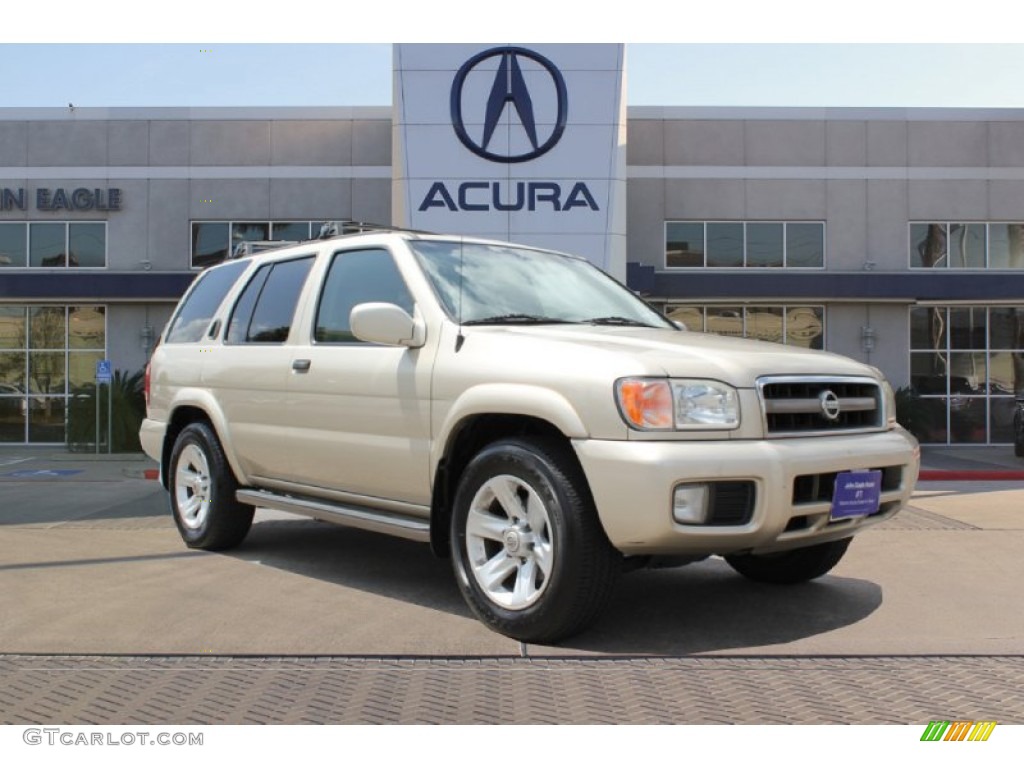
(508, 542)
(529, 552)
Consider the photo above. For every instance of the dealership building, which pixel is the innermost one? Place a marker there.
(893, 236)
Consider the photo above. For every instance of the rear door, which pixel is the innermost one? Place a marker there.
(249, 372)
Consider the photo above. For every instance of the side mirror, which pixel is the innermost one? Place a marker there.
(388, 324)
(679, 325)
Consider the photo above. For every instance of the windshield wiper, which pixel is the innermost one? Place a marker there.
(515, 319)
(617, 320)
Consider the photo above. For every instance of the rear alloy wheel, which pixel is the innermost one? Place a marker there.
(203, 492)
(530, 555)
(791, 567)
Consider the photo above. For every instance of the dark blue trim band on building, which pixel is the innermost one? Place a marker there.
(703, 285)
(93, 286)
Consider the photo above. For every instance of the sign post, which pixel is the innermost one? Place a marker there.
(104, 374)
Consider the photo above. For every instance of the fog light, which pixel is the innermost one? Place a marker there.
(690, 504)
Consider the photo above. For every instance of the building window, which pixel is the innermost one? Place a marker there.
(966, 365)
(48, 244)
(966, 245)
(800, 326)
(213, 241)
(48, 357)
(756, 244)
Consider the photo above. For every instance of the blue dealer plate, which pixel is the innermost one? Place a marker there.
(856, 494)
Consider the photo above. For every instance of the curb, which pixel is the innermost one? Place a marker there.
(970, 474)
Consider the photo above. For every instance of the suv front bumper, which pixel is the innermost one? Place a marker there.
(633, 482)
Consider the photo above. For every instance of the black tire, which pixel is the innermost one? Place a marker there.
(202, 492)
(791, 567)
(563, 535)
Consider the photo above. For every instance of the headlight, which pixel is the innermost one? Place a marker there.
(677, 404)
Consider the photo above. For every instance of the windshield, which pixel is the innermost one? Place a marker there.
(504, 284)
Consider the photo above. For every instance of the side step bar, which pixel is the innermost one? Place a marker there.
(353, 516)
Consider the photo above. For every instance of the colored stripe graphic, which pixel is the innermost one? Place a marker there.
(958, 730)
(982, 730)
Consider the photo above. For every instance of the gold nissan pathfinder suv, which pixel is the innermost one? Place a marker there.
(521, 412)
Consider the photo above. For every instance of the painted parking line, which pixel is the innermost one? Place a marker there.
(42, 473)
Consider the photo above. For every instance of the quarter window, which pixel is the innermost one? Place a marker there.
(197, 310)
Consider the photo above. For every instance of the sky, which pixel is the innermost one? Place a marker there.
(221, 74)
(742, 53)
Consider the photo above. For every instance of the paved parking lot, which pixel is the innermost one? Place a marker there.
(106, 617)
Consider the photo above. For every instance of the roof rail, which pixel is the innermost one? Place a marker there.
(346, 227)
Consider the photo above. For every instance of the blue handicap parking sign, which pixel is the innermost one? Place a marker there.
(103, 372)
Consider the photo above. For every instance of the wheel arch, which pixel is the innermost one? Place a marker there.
(188, 411)
(467, 438)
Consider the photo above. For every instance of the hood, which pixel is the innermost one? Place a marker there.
(666, 352)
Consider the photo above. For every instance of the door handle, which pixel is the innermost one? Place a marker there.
(300, 365)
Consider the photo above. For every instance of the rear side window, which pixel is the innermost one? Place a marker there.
(264, 311)
(196, 312)
(356, 277)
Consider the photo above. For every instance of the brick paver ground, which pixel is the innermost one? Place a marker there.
(96, 690)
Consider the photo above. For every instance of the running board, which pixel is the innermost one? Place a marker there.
(365, 518)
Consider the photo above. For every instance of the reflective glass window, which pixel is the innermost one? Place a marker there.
(685, 246)
(47, 245)
(290, 230)
(764, 323)
(928, 245)
(764, 245)
(12, 327)
(13, 245)
(805, 327)
(725, 244)
(87, 244)
(805, 245)
(209, 243)
(46, 328)
(87, 327)
(967, 246)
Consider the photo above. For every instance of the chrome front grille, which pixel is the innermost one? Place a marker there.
(803, 405)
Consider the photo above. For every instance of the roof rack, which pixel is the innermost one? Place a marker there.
(345, 227)
(247, 248)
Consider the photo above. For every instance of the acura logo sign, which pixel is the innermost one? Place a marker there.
(509, 90)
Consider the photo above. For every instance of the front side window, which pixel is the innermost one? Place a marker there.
(357, 277)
